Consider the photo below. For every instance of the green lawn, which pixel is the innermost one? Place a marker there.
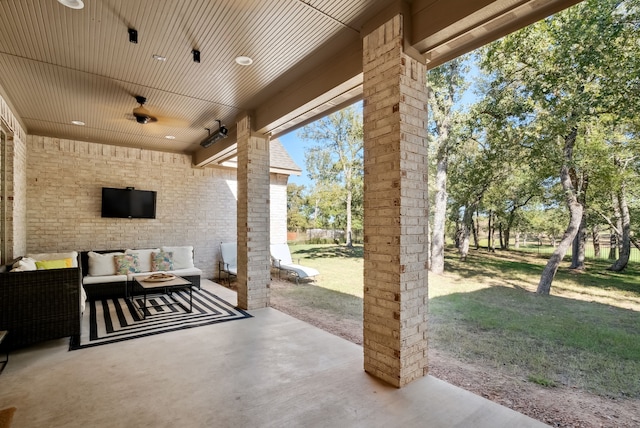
(484, 311)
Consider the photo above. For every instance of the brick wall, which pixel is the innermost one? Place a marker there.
(13, 158)
(253, 218)
(278, 208)
(195, 206)
(395, 212)
(19, 202)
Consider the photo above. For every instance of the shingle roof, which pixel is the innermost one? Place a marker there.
(280, 159)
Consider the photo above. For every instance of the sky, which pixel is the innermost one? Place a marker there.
(295, 146)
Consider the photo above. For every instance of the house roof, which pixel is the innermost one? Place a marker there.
(279, 160)
(61, 64)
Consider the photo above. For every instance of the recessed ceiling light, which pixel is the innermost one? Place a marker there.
(159, 57)
(78, 122)
(73, 4)
(244, 60)
(169, 137)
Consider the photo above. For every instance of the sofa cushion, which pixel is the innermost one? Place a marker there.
(126, 264)
(182, 256)
(144, 258)
(161, 261)
(73, 255)
(88, 280)
(102, 264)
(24, 264)
(187, 272)
(53, 264)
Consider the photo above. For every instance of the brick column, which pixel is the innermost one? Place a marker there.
(395, 208)
(254, 274)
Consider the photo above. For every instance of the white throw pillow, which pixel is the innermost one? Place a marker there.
(144, 257)
(73, 255)
(24, 264)
(102, 264)
(182, 256)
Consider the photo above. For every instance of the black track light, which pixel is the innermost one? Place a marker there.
(133, 35)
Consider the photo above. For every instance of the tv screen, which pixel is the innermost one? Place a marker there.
(128, 203)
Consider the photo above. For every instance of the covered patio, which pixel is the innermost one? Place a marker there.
(271, 370)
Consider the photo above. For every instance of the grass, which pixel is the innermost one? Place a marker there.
(484, 311)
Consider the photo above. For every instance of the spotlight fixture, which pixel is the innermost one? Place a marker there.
(133, 35)
(216, 136)
(78, 122)
(244, 60)
(196, 55)
(72, 4)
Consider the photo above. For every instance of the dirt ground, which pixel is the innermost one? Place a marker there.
(558, 407)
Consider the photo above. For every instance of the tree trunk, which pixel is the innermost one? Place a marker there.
(489, 229)
(617, 211)
(575, 252)
(516, 244)
(575, 216)
(316, 210)
(625, 252)
(349, 242)
(463, 249)
(510, 220)
(595, 237)
(492, 234)
(579, 243)
(458, 235)
(476, 231)
(440, 215)
(633, 240)
(503, 238)
(613, 244)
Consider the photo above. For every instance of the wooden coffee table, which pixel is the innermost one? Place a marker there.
(160, 287)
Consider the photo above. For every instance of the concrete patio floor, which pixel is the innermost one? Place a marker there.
(271, 370)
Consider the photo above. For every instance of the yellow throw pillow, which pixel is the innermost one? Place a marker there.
(54, 264)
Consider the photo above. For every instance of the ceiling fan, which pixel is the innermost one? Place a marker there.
(141, 114)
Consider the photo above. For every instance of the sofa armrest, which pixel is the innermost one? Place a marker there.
(40, 305)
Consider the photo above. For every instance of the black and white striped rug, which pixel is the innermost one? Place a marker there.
(115, 320)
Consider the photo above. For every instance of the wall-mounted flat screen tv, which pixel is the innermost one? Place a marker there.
(128, 203)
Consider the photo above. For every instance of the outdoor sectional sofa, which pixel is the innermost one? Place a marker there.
(106, 273)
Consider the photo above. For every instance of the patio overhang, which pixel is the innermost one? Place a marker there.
(439, 31)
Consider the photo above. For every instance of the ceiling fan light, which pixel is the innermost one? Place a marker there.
(72, 4)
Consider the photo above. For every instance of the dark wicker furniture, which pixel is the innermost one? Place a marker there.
(39, 305)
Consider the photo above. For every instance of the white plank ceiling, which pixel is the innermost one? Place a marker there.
(58, 64)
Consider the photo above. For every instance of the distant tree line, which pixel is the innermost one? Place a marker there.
(550, 146)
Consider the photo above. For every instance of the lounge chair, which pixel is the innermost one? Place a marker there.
(229, 262)
(281, 260)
